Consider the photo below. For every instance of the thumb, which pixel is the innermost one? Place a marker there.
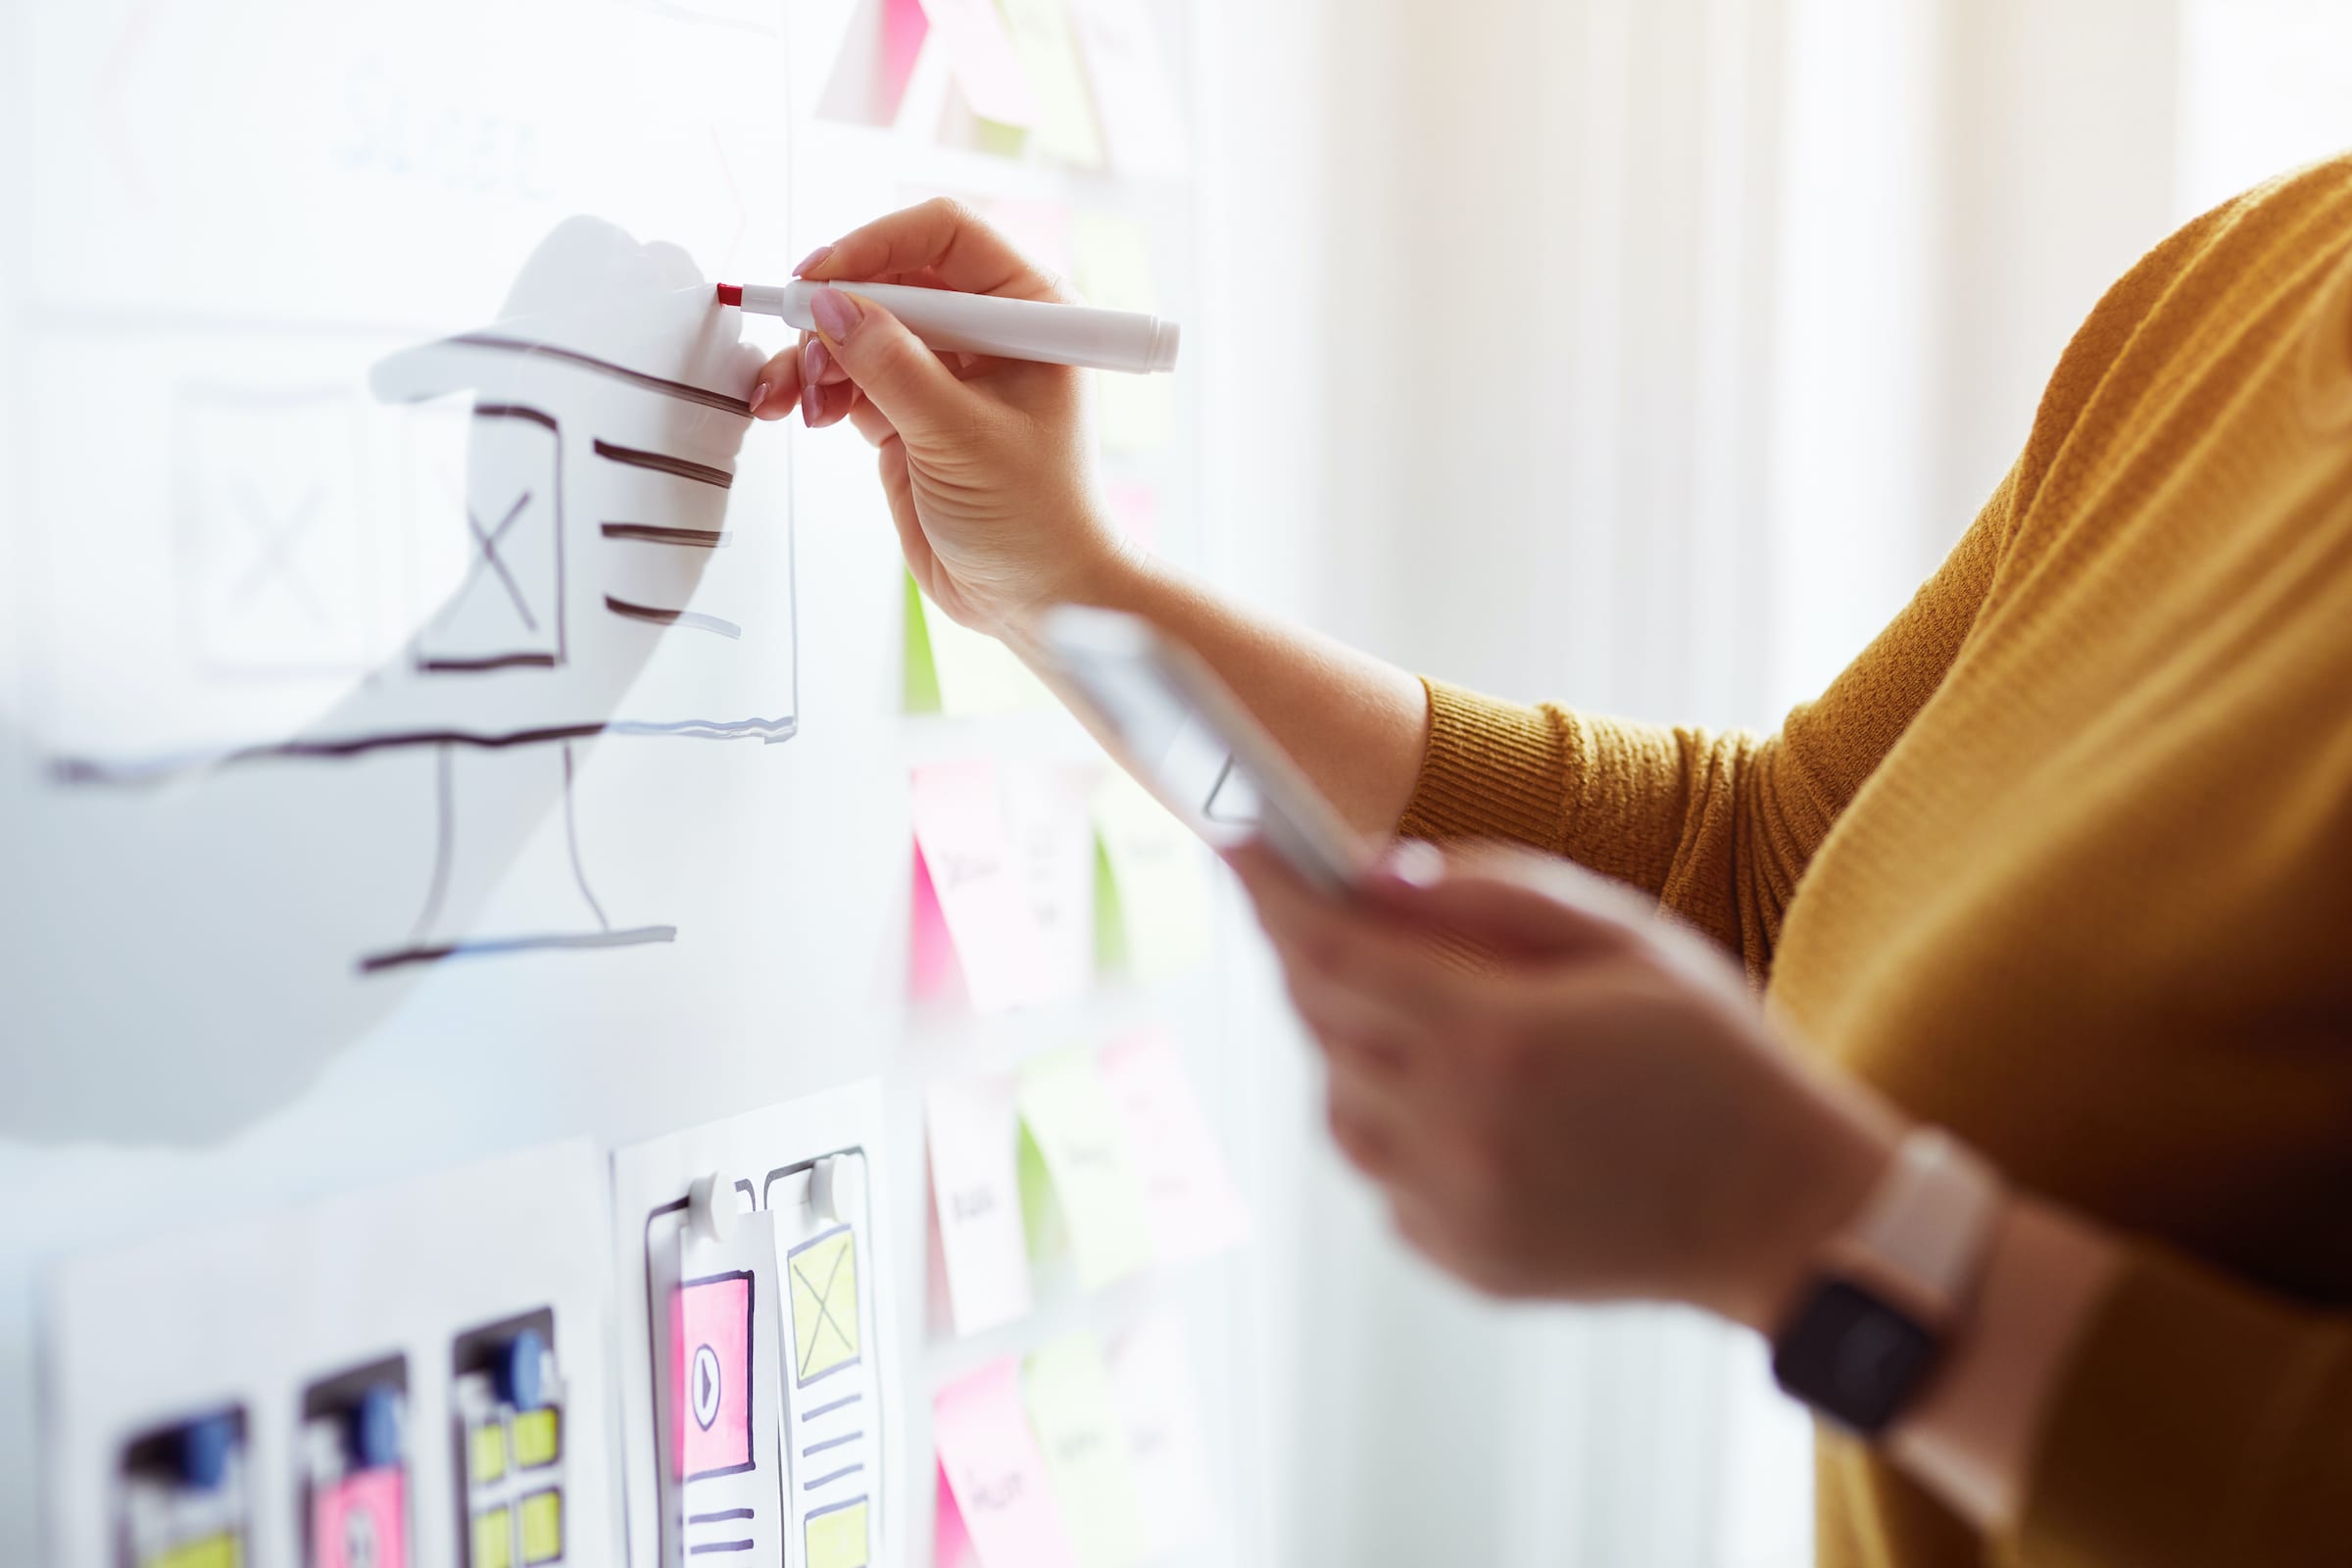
(1522, 915)
(905, 382)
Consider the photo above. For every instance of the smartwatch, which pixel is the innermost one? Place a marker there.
(1889, 1290)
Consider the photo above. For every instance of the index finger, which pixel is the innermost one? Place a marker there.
(945, 237)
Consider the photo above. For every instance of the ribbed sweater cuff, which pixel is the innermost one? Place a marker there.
(1493, 770)
(2199, 1423)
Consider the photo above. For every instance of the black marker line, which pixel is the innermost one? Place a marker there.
(720, 1546)
(572, 842)
(656, 534)
(828, 1409)
(90, 770)
(836, 1507)
(663, 462)
(477, 667)
(517, 411)
(830, 1443)
(694, 619)
(589, 362)
(636, 937)
(811, 1486)
(723, 1513)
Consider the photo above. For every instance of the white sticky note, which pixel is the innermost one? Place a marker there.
(1152, 1380)
(975, 1131)
(1052, 836)
(1134, 92)
(1195, 1209)
(986, 68)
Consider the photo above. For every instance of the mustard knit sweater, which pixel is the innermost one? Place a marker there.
(2064, 863)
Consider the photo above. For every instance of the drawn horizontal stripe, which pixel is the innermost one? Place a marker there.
(656, 534)
(663, 462)
(694, 619)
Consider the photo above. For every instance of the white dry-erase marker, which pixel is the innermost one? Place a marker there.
(986, 323)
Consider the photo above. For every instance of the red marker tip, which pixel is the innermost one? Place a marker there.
(730, 293)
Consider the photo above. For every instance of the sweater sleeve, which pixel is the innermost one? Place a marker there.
(2200, 1421)
(1718, 826)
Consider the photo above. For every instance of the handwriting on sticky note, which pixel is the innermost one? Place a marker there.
(1078, 1138)
(1084, 1440)
(986, 67)
(995, 1474)
(973, 1130)
(1189, 1194)
(984, 905)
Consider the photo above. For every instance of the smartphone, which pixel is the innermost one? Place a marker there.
(1193, 746)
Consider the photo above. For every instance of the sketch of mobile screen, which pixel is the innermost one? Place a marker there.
(506, 1400)
(1192, 744)
(716, 1390)
(354, 1459)
(183, 1494)
(832, 1394)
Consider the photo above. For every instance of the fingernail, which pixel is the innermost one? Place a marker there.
(835, 311)
(814, 360)
(758, 395)
(1414, 863)
(812, 404)
(812, 259)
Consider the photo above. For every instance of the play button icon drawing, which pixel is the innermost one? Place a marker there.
(705, 1386)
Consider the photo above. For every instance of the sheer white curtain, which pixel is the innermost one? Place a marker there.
(1643, 354)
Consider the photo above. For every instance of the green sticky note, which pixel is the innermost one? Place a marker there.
(1065, 112)
(955, 670)
(1067, 1389)
(1152, 898)
(1081, 1177)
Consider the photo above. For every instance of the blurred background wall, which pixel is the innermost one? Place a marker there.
(1642, 354)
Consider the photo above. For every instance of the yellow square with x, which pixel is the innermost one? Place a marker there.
(824, 1304)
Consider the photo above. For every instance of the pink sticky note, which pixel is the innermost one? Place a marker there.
(1189, 1197)
(995, 1473)
(952, 1543)
(903, 28)
(930, 950)
(986, 67)
(362, 1521)
(984, 902)
(1039, 230)
(710, 1375)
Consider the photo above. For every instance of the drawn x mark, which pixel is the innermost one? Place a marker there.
(824, 1306)
(275, 562)
(487, 539)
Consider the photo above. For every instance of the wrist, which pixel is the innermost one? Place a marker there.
(1818, 1196)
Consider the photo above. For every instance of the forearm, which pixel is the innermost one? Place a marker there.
(1355, 724)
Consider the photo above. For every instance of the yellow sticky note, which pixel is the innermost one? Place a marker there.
(955, 670)
(1071, 1408)
(489, 1451)
(213, 1551)
(824, 1304)
(1151, 897)
(493, 1540)
(543, 1526)
(837, 1536)
(1113, 257)
(538, 1438)
(1065, 112)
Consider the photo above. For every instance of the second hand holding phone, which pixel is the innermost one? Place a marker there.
(1191, 743)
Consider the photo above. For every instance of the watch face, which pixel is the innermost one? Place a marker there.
(1852, 1357)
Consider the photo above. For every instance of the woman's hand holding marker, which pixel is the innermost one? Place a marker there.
(988, 463)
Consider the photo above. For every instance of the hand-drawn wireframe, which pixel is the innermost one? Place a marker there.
(602, 428)
(508, 1401)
